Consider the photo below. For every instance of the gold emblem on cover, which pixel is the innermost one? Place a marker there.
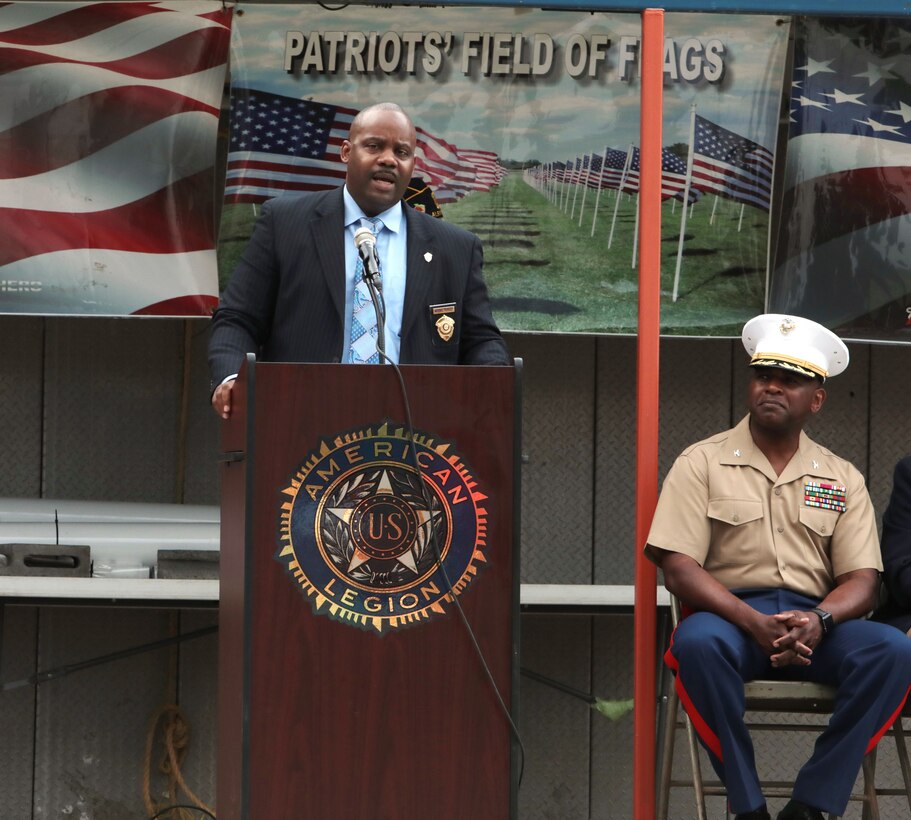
(787, 325)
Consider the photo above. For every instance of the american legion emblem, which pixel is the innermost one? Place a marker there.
(371, 541)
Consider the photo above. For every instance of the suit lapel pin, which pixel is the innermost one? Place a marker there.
(427, 256)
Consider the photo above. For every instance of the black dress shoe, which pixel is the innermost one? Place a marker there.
(795, 810)
(756, 814)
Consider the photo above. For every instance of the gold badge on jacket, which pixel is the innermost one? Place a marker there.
(445, 323)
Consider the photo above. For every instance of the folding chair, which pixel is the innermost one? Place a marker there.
(765, 696)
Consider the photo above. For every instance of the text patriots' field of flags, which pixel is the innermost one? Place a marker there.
(108, 125)
(281, 144)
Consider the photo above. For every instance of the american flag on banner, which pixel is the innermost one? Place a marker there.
(435, 159)
(108, 124)
(609, 176)
(842, 256)
(631, 181)
(731, 166)
(582, 171)
(280, 144)
(454, 189)
(478, 171)
(595, 171)
(487, 168)
(673, 177)
(673, 174)
(614, 163)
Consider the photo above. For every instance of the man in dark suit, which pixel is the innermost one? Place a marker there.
(292, 294)
(896, 548)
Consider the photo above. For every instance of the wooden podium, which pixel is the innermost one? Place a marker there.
(350, 686)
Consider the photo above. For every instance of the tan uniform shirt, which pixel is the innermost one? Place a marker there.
(723, 505)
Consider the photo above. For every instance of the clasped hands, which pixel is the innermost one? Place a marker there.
(795, 646)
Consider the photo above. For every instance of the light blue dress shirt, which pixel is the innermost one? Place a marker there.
(391, 245)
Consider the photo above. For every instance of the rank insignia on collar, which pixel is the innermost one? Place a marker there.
(826, 496)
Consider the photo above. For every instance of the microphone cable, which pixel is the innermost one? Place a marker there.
(376, 296)
(182, 807)
(379, 308)
(438, 558)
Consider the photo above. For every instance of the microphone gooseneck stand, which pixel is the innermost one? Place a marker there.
(379, 307)
(376, 296)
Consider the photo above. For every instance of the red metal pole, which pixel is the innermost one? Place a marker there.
(652, 53)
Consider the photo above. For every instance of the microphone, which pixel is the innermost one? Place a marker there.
(366, 248)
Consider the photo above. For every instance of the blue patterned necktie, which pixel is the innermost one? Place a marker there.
(363, 318)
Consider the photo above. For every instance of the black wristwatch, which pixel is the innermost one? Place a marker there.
(825, 618)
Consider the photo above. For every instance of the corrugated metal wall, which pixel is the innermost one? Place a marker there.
(96, 409)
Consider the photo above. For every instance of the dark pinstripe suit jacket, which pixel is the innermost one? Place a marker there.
(286, 299)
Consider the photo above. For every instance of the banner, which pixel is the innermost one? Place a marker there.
(843, 256)
(527, 135)
(108, 126)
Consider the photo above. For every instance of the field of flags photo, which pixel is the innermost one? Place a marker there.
(715, 162)
(560, 236)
